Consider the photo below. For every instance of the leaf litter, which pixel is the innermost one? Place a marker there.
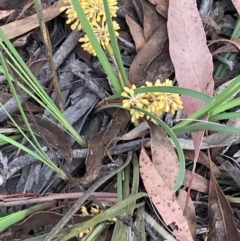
(170, 38)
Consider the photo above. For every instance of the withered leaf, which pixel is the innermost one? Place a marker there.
(50, 133)
(152, 61)
(221, 219)
(100, 142)
(163, 198)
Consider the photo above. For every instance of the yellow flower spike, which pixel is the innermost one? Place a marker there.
(158, 83)
(84, 211)
(124, 94)
(144, 102)
(95, 211)
(148, 83)
(139, 105)
(74, 25)
(95, 13)
(126, 104)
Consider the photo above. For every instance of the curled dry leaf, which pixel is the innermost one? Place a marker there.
(161, 6)
(152, 61)
(226, 49)
(99, 144)
(235, 42)
(221, 219)
(136, 32)
(208, 20)
(163, 198)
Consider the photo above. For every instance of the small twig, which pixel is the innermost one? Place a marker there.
(18, 163)
(48, 48)
(9, 201)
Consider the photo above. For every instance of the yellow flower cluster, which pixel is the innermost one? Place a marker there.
(156, 103)
(93, 212)
(94, 11)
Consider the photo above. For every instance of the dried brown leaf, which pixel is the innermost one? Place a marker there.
(153, 60)
(191, 217)
(19, 27)
(208, 20)
(50, 133)
(161, 6)
(191, 58)
(99, 144)
(136, 32)
(203, 159)
(164, 157)
(235, 42)
(199, 183)
(163, 198)
(221, 219)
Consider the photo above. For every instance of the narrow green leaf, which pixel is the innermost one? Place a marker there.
(97, 47)
(114, 43)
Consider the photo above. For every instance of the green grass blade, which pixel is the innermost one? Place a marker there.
(13, 218)
(97, 47)
(222, 68)
(225, 106)
(224, 116)
(229, 91)
(114, 43)
(105, 215)
(206, 126)
(177, 90)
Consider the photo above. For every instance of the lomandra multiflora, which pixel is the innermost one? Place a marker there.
(94, 11)
(156, 103)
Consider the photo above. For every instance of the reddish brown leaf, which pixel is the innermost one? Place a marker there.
(189, 52)
(19, 27)
(164, 157)
(191, 58)
(221, 219)
(191, 217)
(163, 198)
(236, 3)
(4, 14)
(161, 6)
